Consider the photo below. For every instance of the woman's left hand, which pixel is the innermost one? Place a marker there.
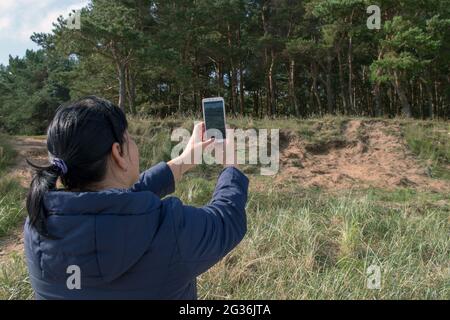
(194, 148)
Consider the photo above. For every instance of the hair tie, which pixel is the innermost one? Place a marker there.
(60, 164)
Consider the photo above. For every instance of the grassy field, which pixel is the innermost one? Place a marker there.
(431, 143)
(14, 282)
(303, 243)
(11, 193)
(316, 244)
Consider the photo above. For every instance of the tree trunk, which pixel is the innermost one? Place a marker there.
(197, 85)
(270, 95)
(390, 98)
(233, 86)
(131, 88)
(180, 99)
(121, 71)
(292, 86)
(255, 103)
(436, 99)
(350, 74)
(241, 88)
(272, 102)
(241, 75)
(232, 69)
(221, 89)
(377, 96)
(430, 100)
(376, 90)
(341, 80)
(261, 103)
(231, 95)
(327, 84)
(329, 87)
(406, 107)
(314, 74)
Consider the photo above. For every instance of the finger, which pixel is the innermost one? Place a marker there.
(197, 132)
(198, 125)
(207, 142)
(202, 130)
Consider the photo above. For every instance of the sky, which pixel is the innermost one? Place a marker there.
(20, 18)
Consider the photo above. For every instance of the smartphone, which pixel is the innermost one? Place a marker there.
(214, 118)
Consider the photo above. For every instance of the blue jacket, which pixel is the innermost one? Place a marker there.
(131, 244)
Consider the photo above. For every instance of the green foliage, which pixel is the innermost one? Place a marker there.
(266, 58)
(32, 88)
(405, 48)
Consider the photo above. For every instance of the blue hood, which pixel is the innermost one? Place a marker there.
(104, 233)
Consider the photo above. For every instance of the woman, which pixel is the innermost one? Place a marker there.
(109, 234)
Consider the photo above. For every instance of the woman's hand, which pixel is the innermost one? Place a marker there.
(192, 154)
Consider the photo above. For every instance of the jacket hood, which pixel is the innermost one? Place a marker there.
(104, 233)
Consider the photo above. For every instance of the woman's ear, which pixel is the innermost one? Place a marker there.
(118, 156)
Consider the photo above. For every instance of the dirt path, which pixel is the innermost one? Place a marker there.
(369, 153)
(34, 149)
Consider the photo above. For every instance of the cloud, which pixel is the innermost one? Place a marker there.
(5, 22)
(6, 5)
(43, 25)
(19, 19)
(33, 16)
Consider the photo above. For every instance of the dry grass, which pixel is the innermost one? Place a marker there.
(308, 243)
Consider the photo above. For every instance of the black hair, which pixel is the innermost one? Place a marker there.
(81, 135)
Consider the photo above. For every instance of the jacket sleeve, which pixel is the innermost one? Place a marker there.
(158, 179)
(205, 235)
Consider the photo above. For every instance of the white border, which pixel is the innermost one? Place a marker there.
(224, 118)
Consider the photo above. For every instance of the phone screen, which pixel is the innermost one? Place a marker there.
(214, 117)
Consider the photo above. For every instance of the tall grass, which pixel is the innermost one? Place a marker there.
(305, 243)
(7, 153)
(11, 193)
(431, 142)
(309, 245)
(14, 281)
(11, 205)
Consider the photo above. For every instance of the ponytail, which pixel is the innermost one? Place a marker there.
(44, 180)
